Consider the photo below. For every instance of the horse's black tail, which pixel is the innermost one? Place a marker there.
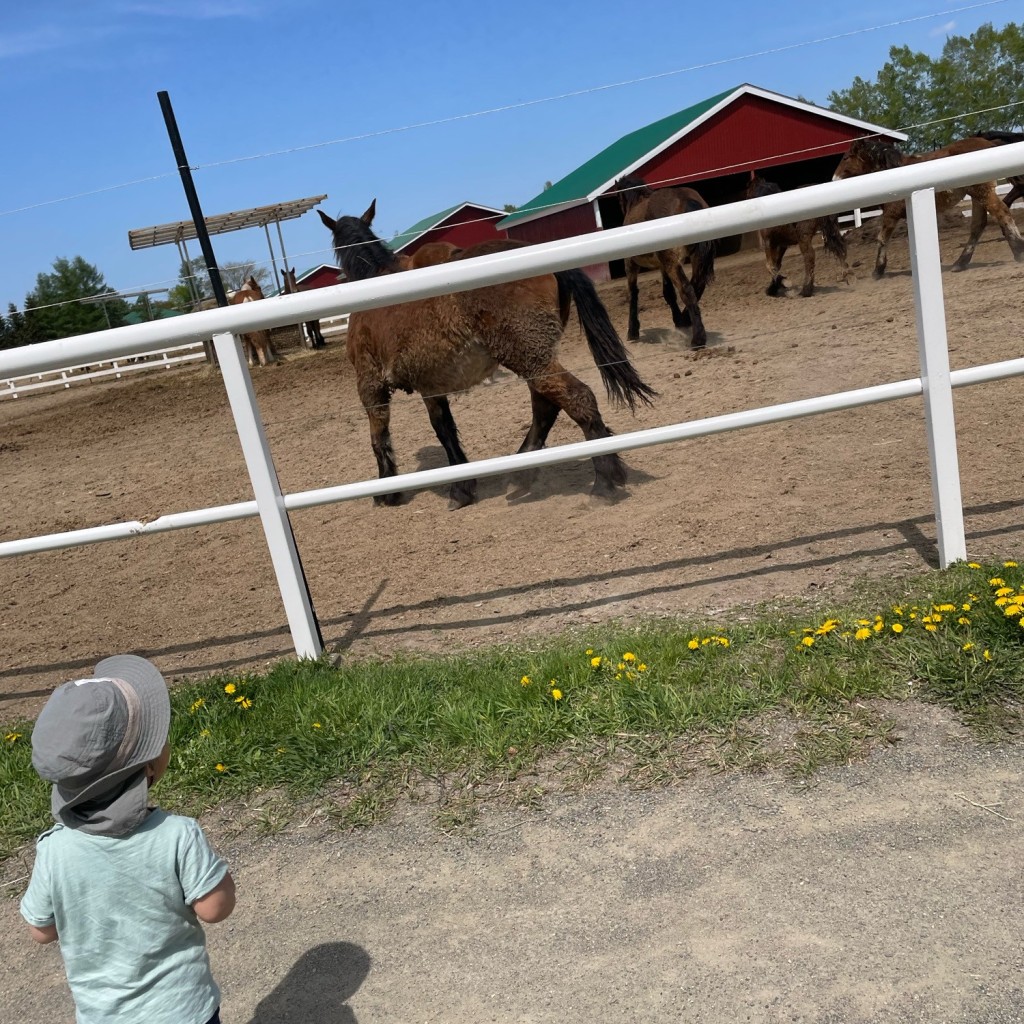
(702, 265)
(833, 238)
(620, 378)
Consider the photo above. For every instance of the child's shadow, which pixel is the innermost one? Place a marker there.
(318, 987)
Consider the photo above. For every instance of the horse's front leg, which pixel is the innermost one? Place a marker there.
(633, 331)
(892, 214)
(1006, 223)
(463, 492)
(377, 403)
(979, 220)
(807, 249)
(674, 269)
(773, 254)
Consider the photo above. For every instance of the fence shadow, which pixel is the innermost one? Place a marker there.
(317, 988)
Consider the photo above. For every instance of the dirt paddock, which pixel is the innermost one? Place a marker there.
(706, 525)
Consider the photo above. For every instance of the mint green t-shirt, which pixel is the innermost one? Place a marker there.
(134, 950)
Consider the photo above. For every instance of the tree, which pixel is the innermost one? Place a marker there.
(934, 101)
(15, 330)
(510, 208)
(55, 309)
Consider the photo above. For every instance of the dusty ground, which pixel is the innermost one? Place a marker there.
(890, 891)
(707, 525)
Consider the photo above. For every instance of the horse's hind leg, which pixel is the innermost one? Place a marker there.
(376, 401)
(545, 412)
(807, 248)
(561, 389)
(1007, 224)
(892, 214)
(680, 318)
(979, 220)
(672, 268)
(463, 492)
(633, 332)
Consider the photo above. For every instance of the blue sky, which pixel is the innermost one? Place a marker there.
(79, 84)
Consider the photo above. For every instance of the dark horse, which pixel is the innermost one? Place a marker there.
(1016, 180)
(874, 154)
(451, 342)
(776, 240)
(640, 203)
(314, 337)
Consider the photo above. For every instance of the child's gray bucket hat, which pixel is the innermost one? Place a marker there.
(96, 734)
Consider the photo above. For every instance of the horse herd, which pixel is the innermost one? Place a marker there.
(446, 344)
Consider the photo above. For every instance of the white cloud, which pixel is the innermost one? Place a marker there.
(40, 40)
(943, 30)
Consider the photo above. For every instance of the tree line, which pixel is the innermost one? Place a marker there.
(922, 96)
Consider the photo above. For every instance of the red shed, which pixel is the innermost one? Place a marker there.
(462, 225)
(711, 146)
(322, 276)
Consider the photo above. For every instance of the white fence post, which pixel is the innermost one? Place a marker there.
(937, 390)
(269, 499)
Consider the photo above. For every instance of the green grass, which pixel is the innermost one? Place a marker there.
(788, 688)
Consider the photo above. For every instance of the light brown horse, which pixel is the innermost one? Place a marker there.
(874, 154)
(640, 203)
(452, 342)
(257, 345)
(776, 240)
(313, 336)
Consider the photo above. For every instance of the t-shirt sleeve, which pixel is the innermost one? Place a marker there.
(200, 870)
(37, 903)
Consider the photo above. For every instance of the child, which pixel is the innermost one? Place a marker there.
(124, 886)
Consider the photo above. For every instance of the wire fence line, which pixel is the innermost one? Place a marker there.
(916, 183)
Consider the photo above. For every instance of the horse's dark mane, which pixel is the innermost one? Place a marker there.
(881, 154)
(631, 190)
(359, 252)
(759, 187)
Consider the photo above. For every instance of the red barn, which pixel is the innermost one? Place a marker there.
(711, 146)
(462, 225)
(322, 276)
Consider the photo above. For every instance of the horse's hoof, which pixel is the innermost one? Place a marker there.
(389, 500)
(806, 292)
(957, 267)
(698, 343)
(460, 496)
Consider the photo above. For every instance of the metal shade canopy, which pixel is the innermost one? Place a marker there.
(219, 224)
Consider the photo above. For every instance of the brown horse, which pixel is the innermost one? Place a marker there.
(1016, 180)
(640, 203)
(257, 344)
(874, 154)
(450, 343)
(312, 327)
(776, 240)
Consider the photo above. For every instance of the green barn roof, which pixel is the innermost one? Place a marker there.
(421, 227)
(576, 186)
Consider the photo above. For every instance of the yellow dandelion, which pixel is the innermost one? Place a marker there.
(693, 644)
(897, 609)
(1003, 591)
(595, 662)
(317, 725)
(1000, 601)
(973, 565)
(525, 681)
(205, 734)
(987, 654)
(643, 668)
(230, 688)
(243, 702)
(196, 705)
(966, 606)
(12, 737)
(945, 607)
(723, 641)
(705, 641)
(590, 650)
(621, 666)
(969, 646)
(863, 622)
(878, 626)
(862, 634)
(897, 627)
(221, 767)
(556, 694)
(997, 581)
(629, 656)
(827, 626)
(963, 621)
(931, 627)
(1010, 565)
(808, 641)
(281, 750)
(1011, 609)
(618, 677)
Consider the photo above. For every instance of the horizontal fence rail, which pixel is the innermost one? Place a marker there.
(915, 183)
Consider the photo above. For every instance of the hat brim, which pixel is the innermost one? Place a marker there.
(155, 708)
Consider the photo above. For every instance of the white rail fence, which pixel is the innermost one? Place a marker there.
(916, 183)
(160, 359)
